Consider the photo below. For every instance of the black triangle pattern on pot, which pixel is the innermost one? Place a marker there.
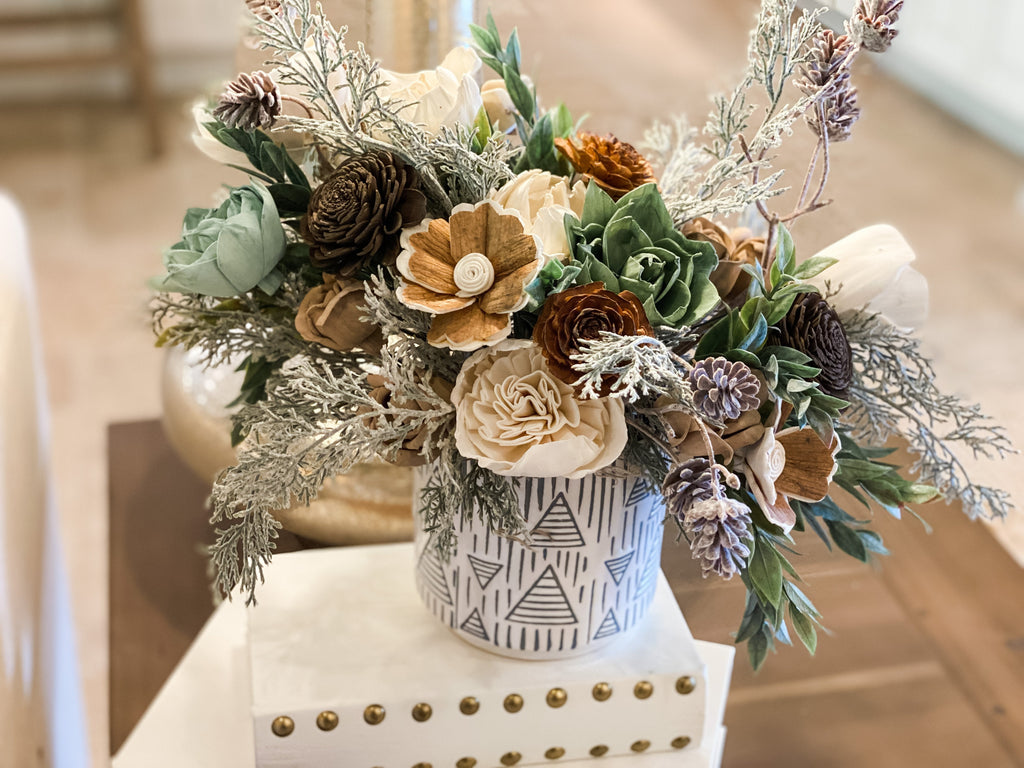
(617, 566)
(544, 603)
(609, 626)
(433, 575)
(474, 625)
(484, 570)
(649, 578)
(557, 527)
(638, 492)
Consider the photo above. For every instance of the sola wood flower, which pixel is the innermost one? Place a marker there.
(792, 464)
(734, 249)
(515, 418)
(582, 313)
(356, 216)
(543, 200)
(811, 326)
(331, 314)
(470, 272)
(615, 166)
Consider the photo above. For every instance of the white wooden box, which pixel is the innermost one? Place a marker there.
(202, 716)
(344, 632)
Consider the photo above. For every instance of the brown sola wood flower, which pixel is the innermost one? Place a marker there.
(734, 249)
(470, 272)
(615, 166)
(355, 218)
(811, 326)
(582, 313)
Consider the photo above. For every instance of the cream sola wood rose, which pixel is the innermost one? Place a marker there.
(543, 199)
(515, 418)
(470, 272)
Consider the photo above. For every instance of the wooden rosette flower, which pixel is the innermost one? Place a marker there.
(582, 313)
(470, 272)
(615, 166)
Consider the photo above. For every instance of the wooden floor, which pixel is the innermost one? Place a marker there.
(924, 664)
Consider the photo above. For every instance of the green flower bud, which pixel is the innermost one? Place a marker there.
(228, 250)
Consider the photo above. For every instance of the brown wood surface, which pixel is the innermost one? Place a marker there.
(924, 665)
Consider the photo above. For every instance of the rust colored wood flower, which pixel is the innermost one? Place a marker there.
(582, 313)
(470, 272)
(615, 166)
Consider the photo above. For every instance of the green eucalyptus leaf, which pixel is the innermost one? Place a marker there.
(813, 267)
(766, 572)
(487, 42)
(785, 251)
(755, 339)
(717, 339)
(521, 97)
(804, 628)
(512, 53)
(757, 650)
(847, 540)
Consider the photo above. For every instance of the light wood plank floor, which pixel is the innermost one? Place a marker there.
(99, 214)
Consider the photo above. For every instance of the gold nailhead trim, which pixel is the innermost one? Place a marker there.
(680, 741)
(557, 697)
(511, 758)
(513, 703)
(422, 712)
(466, 762)
(327, 721)
(685, 685)
(469, 706)
(602, 691)
(282, 726)
(554, 753)
(599, 750)
(640, 746)
(643, 690)
(374, 714)
(423, 765)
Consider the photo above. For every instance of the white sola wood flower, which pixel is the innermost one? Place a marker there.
(873, 271)
(516, 418)
(446, 96)
(543, 199)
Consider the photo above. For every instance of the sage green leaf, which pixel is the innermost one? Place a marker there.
(804, 628)
(757, 650)
(813, 266)
(766, 572)
(847, 540)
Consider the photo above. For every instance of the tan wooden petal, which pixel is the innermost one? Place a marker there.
(468, 329)
(435, 242)
(508, 293)
(430, 272)
(469, 232)
(503, 230)
(779, 513)
(514, 253)
(809, 465)
(425, 300)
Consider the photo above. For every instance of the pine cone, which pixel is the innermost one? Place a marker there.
(264, 9)
(355, 218)
(581, 313)
(722, 389)
(250, 102)
(872, 23)
(615, 166)
(814, 328)
(686, 484)
(828, 69)
(718, 530)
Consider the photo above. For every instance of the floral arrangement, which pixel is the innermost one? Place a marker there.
(427, 269)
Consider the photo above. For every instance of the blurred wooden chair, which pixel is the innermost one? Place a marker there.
(41, 717)
(131, 53)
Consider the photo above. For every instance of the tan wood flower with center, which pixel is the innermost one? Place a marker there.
(470, 272)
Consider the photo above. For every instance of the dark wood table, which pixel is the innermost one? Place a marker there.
(924, 665)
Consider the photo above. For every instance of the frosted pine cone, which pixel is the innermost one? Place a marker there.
(723, 389)
(828, 69)
(872, 23)
(250, 102)
(686, 484)
(718, 530)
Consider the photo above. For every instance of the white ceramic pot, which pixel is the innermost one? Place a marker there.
(587, 579)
